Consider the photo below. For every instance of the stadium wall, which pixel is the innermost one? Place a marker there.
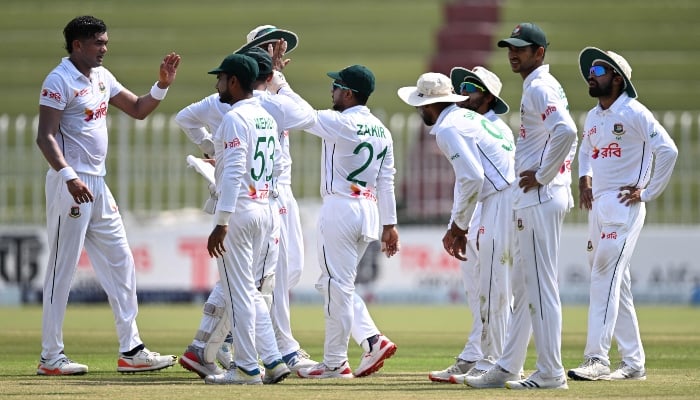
(172, 264)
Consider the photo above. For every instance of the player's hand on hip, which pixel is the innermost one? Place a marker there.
(79, 191)
(168, 70)
(630, 195)
(528, 181)
(215, 243)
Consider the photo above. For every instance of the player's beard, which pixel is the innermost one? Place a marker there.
(600, 90)
(225, 97)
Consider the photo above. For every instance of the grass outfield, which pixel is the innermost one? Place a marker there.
(427, 337)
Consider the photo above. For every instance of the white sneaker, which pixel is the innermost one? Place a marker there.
(321, 371)
(592, 369)
(372, 361)
(193, 360)
(299, 360)
(225, 355)
(496, 377)
(234, 376)
(460, 367)
(144, 360)
(461, 378)
(535, 381)
(276, 374)
(60, 365)
(625, 372)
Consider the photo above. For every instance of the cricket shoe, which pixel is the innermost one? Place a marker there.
(225, 355)
(193, 360)
(235, 376)
(495, 377)
(460, 367)
(60, 365)
(144, 360)
(535, 381)
(276, 372)
(626, 372)
(592, 369)
(321, 371)
(373, 360)
(461, 378)
(298, 360)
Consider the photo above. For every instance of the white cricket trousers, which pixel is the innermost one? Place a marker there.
(290, 264)
(99, 228)
(248, 233)
(470, 280)
(537, 306)
(613, 232)
(264, 269)
(341, 244)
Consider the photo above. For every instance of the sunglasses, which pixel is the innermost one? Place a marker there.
(337, 85)
(470, 87)
(599, 70)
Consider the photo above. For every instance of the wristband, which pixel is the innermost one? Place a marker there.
(68, 174)
(158, 93)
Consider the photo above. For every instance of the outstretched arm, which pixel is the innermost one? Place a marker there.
(141, 107)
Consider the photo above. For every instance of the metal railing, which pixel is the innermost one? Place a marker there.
(147, 173)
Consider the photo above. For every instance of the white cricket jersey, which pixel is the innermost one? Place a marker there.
(621, 144)
(547, 139)
(480, 155)
(475, 220)
(244, 145)
(357, 159)
(289, 110)
(82, 133)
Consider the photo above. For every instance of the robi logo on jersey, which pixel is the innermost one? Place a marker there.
(51, 95)
(548, 111)
(92, 115)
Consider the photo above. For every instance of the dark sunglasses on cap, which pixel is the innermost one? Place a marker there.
(470, 87)
(339, 86)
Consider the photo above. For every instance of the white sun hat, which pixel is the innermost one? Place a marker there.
(432, 87)
(590, 55)
(484, 77)
(266, 34)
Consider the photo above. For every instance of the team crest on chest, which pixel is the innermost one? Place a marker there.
(102, 87)
(74, 212)
(520, 224)
(590, 246)
(618, 130)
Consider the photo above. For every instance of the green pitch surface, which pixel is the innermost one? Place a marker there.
(427, 337)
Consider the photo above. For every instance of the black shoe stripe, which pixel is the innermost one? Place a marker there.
(529, 384)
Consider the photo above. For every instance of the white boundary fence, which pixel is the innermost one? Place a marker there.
(147, 171)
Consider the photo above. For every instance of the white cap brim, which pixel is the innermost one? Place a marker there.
(411, 96)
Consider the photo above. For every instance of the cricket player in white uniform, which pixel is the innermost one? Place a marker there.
(482, 159)
(545, 146)
(357, 186)
(485, 342)
(244, 148)
(197, 120)
(80, 208)
(626, 159)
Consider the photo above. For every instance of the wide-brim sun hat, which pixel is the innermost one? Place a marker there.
(590, 55)
(432, 87)
(266, 34)
(484, 77)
